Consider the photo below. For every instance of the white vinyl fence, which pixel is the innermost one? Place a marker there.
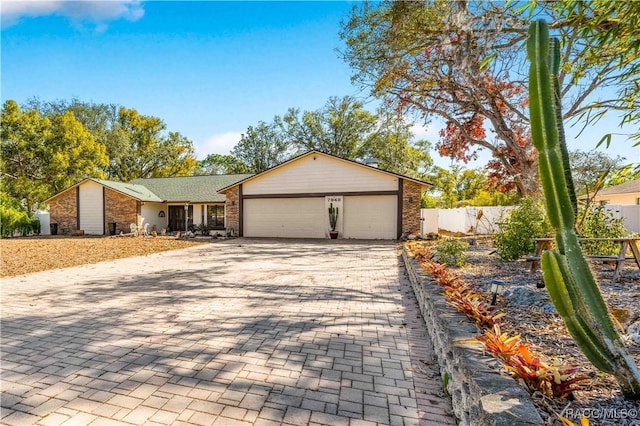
(468, 220)
(630, 213)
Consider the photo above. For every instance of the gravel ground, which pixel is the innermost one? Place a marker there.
(531, 314)
(25, 255)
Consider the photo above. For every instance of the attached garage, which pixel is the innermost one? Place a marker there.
(284, 217)
(292, 200)
(371, 217)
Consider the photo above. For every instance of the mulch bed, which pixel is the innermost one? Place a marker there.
(531, 314)
(34, 254)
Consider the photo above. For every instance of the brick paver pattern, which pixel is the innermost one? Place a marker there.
(237, 332)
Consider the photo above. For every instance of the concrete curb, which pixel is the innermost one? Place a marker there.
(480, 394)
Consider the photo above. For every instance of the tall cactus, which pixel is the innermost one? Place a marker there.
(333, 216)
(566, 274)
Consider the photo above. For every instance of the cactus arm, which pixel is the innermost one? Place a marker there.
(545, 132)
(566, 274)
(554, 66)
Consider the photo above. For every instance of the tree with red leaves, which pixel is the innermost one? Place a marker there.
(462, 62)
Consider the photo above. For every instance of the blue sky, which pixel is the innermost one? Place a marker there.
(208, 69)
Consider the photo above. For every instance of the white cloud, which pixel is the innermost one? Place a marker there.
(221, 143)
(428, 132)
(95, 12)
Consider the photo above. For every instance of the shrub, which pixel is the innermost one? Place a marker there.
(450, 252)
(521, 226)
(598, 222)
(13, 219)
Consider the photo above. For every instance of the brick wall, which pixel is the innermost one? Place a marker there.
(120, 209)
(231, 209)
(63, 210)
(411, 196)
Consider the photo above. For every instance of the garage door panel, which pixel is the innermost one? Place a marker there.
(284, 217)
(370, 217)
(91, 208)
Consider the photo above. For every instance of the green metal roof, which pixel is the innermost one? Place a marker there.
(194, 189)
(137, 191)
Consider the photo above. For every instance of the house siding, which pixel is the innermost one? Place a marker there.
(64, 212)
(622, 199)
(320, 175)
(232, 210)
(120, 209)
(411, 199)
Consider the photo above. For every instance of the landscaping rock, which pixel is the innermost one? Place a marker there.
(548, 308)
(526, 296)
(633, 331)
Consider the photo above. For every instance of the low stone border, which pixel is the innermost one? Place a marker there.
(480, 394)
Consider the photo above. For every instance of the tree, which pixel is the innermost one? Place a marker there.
(217, 164)
(342, 127)
(138, 146)
(457, 186)
(42, 156)
(461, 62)
(262, 147)
(393, 146)
(591, 168)
(610, 29)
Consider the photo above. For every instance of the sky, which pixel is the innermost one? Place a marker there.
(207, 69)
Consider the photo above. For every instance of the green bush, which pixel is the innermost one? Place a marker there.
(598, 222)
(451, 252)
(13, 219)
(520, 227)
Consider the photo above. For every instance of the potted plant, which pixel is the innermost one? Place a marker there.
(333, 221)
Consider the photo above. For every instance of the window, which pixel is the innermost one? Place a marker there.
(215, 216)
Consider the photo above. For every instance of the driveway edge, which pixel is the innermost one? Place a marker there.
(480, 394)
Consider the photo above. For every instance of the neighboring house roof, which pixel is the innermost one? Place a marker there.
(193, 189)
(328, 155)
(623, 188)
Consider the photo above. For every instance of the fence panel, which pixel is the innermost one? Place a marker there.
(630, 213)
(466, 220)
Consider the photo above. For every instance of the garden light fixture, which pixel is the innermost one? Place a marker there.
(497, 287)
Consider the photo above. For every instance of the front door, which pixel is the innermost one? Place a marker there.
(176, 218)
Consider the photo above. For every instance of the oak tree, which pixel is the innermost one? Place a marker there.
(42, 156)
(461, 62)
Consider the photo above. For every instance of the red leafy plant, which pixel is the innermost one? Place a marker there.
(553, 380)
(457, 292)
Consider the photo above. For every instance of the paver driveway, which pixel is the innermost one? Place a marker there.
(235, 332)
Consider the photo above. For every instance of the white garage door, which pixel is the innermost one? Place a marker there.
(91, 208)
(285, 217)
(371, 217)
